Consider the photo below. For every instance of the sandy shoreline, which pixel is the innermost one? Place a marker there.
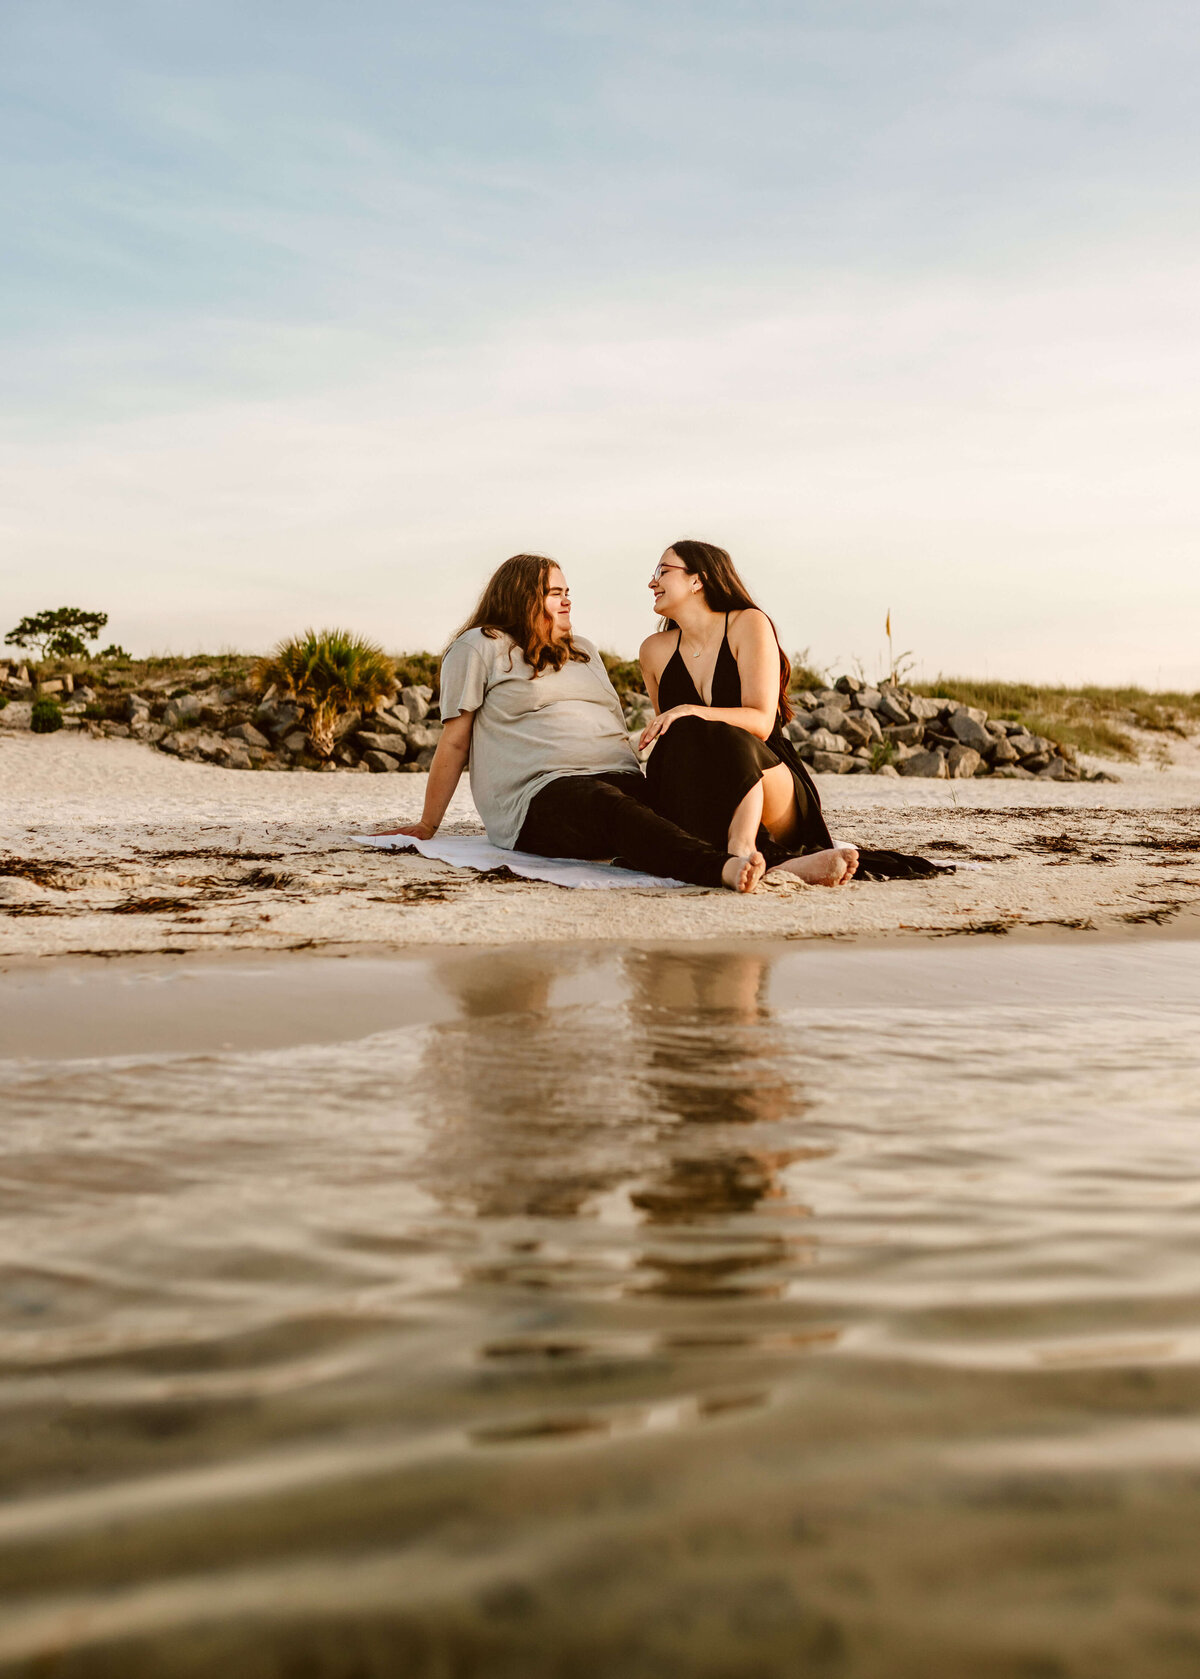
(109, 848)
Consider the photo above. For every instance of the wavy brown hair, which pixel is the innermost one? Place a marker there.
(724, 591)
(513, 603)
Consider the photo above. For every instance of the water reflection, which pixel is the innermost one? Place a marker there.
(644, 1101)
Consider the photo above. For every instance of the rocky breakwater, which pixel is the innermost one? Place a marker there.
(234, 727)
(856, 729)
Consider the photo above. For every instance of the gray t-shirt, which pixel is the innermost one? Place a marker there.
(530, 730)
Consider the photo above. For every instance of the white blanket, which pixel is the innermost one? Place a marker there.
(476, 851)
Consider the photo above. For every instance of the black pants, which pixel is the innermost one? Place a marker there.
(608, 816)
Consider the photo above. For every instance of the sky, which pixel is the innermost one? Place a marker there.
(310, 314)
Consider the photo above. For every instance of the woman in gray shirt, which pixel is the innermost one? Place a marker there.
(530, 709)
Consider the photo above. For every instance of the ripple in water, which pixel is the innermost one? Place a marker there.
(636, 1316)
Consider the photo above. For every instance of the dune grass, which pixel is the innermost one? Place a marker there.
(1090, 718)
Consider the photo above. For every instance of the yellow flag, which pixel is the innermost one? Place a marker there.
(888, 630)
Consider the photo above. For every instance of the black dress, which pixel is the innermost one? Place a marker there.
(700, 771)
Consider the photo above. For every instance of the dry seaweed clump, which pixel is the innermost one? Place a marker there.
(330, 676)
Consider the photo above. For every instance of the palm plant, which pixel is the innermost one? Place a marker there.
(328, 673)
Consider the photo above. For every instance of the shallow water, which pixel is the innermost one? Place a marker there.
(706, 1311)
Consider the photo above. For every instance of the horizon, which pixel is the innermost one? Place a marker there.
(317, 325)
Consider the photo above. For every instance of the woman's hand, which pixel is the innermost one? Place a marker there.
(415, 830)
(660, 724)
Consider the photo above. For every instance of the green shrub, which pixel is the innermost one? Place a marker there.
(327, 672)
(47, 716)
(419, 670)
(625, 676)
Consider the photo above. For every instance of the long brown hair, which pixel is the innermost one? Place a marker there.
(513, 603)
(724, 591)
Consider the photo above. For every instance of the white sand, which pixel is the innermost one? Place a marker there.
(101, 814)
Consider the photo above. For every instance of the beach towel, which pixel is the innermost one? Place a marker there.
(476, 851)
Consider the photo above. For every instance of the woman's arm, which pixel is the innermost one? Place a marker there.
(445, 772)
(752, 642)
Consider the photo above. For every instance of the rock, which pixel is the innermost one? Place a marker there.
(1014, 772)
(1024, 745)
(297, 741)
(827, 717)
(392, 723)
(52, 685)
(186, 709)
(830, 696)
(832, 763)
(238, 759)
(425, 758)
(824, 740)
(892, 707)
(372, 740)
(962, 763)
(905, 734)
(868, 699)
(423, 737)
(1037, 762)
(855, 732)
(18, 714)
(797, 731)
(416, 702)
(970, 730)
(805, 700)
(380, 763)
(867, 720)
(930, 764)
(924, 710)
(849, 685)
(249, 735)
(1058, 769)
(1001, 752)
(278, 717)
(888, 770)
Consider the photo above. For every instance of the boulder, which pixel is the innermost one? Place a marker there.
(867, 720)
(905, 734)
(425, 758)
(380, 763)
(278, 717)
(52, 685)
(805, 700)
(929, 764)
(374, 740)
(855, 732)
(830, 696)
(970, 730)
(868, 699)
(827, 717)
(423, 737)
(297, 741)
(415, 702)
(182, 711)
(18, 714)
(249, 735)
(924, 710)
(849, 685)
(962, 763)
(1023, 744)
(1014, 772)
(1037, 762)
(1058, 769)
(832, 763)
(892, 708)
(391, 722)
(889, 770)
(797, 730)
(824, 740)
(1002, 752)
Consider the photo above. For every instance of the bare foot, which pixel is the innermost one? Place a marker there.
(742, 874)
(822, 868)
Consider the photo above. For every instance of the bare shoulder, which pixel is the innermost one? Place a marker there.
(656, 650)
(749, 626)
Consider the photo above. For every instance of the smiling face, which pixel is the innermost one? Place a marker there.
(672, 584)
(557, 605)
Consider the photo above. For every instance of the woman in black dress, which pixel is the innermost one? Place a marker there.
(722, 767)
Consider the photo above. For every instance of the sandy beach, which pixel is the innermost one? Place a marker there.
(109, 848)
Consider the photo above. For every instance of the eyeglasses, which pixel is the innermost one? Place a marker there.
(656, 574)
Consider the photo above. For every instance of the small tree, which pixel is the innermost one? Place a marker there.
(325, 673)
(59, 634)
